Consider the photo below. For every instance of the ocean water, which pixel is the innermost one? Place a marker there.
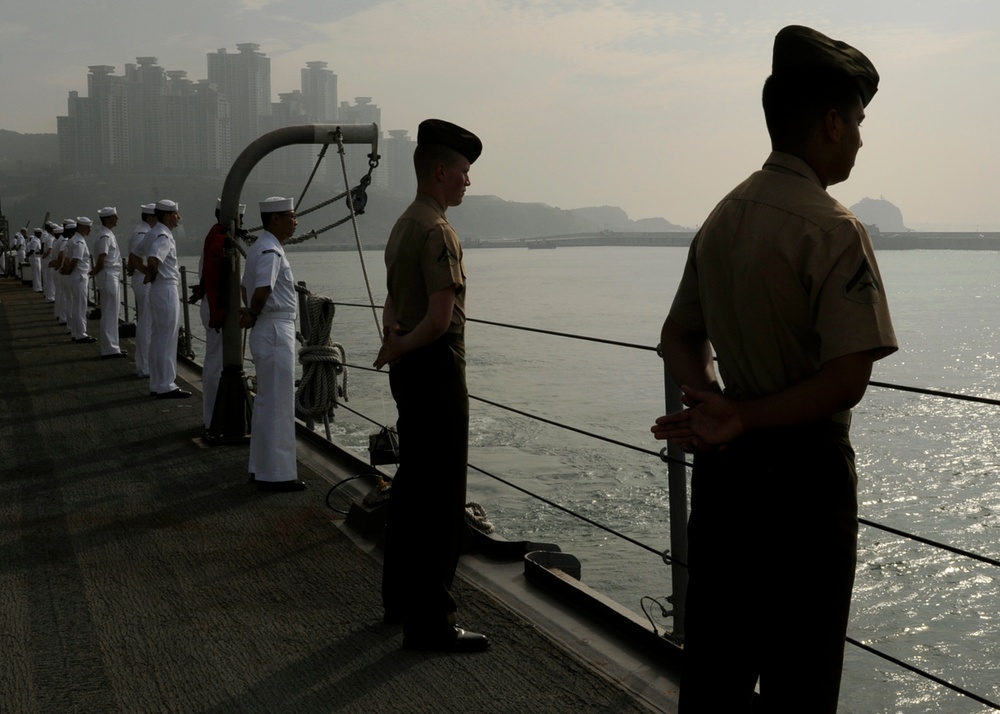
(927, 465)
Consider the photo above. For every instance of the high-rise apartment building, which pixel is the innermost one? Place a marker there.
(145, 83)
(289, 163)
(245, 79)
(397, 161)
(110, 102)
(151, 119)
(146, 119)
(79, 135)
(319, 93)
(363, 111)
(195, 126)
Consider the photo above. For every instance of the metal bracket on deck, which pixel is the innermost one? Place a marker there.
(235, 425)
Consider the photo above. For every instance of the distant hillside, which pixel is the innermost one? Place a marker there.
(489, 217)
(881, 213)
(612, 218)
(28, 195)
(27, 152)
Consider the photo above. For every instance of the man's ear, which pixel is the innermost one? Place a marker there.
(833, 125)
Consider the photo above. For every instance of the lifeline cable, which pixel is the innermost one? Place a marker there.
(579, 516)
(357, 235)
(923, 673)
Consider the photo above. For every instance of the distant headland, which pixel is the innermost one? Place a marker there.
(31, 185)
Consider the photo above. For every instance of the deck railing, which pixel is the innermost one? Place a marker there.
(678, 468)
(677, 475)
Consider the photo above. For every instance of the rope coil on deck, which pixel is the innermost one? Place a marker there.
(476, 517)
(322, 361)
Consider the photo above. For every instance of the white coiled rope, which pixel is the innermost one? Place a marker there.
(322, 360)
(475, 516)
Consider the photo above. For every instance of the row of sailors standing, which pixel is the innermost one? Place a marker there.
(155, 276)
(69, 270)
(26, 250)
(270, 307)
(155, 273)
(269, 312)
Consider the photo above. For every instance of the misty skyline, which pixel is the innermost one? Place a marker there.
(650, 106)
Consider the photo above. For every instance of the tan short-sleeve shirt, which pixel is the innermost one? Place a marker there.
(424, 255)
(782, 278)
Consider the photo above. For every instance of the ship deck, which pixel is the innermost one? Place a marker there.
(141, 572)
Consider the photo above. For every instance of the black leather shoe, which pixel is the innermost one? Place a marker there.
(115, 355)
(175, 394)
(86, 339)
(293, 485)
(447, 639)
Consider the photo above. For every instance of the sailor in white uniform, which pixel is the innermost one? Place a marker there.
(163, 302)
(269, 295)
(62, 259)
(76, 268)
(34, 256)
(55, 268)
(48, 278)
(107, 273)
(137, 270)
(20, 245)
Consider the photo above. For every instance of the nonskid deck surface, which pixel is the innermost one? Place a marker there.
(140, 572)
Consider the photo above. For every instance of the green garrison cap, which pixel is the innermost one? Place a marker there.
(438, 131)
(797, 48)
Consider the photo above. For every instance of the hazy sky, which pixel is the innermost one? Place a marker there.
(651, 105)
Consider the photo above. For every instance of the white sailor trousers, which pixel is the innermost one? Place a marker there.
(164, 313)
(142, 325)
(272, 431)
(107, 283)
(63, 297)
(51, 275)
(76, 309)
(36, 273)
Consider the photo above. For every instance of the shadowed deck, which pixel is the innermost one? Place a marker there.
(139, 571)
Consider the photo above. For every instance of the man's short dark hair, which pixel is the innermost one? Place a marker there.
(426, 158)
(796, 101)
(105, 220)
(266, 218)
(160, 215)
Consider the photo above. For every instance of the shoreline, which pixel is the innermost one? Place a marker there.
(682, 239)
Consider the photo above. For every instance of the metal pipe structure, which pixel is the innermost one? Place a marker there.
(186, 312)
(229, 418)
(123, 289)
(678, 500)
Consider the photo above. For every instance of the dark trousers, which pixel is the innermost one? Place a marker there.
(427, 502)
(772, 554)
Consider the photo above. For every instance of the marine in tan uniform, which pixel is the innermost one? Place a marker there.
(781, 282)
(424, 344)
